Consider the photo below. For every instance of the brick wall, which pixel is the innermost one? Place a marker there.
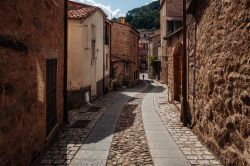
(30, 32)
(125, 46)
(219, 79)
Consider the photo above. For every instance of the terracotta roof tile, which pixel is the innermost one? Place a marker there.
(81, 11)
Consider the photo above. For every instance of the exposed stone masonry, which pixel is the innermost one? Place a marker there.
(219, 79)
(30, 33)
(188, 142)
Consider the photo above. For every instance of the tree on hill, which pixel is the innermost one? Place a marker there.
(145, 17)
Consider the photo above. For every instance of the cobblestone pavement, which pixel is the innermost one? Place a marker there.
(191, 147)
(62, 151)
(129, 145)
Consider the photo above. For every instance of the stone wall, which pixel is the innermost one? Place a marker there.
(30, 32)
(153, 52)
(174, 43)
(219, 77)
(124, 45)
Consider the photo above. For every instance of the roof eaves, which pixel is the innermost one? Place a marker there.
(191, 6)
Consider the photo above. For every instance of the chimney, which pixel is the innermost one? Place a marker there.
(122, 20)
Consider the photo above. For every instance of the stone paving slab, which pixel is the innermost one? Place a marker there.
(94, 151)
(129, 146)
(157, 131)
(171, 162)
(162, 147)
(70, 140)
(87, 162)
(96, 147)
(91, 154)
(161, 144)
(166, 153)
(195, 152)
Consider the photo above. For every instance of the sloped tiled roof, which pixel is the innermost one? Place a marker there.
(81, 11)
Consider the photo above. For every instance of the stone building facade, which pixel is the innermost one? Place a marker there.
(31, 77)
(86, 54)
(219, 76)
(175, 54)
(124, 54)
(144, 47)
(154, 43)
(107, 55)
(170, 11)
(163, 48)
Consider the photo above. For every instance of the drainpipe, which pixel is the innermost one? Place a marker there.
(184, 68)
(110, 50)
(65, 114)
(104, 55)
(110, 53)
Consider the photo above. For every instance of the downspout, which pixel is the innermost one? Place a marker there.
(184, 68)
(65, 114)
(110, 53)
(104, 55)
(110, 40)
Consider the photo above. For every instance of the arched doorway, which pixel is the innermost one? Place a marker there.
(177, 69)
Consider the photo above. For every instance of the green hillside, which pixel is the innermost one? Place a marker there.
(145, 17)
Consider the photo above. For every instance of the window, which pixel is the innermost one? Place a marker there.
(93, 51)
(107, 33)
(177, 25)
(86, 36)
(93, 32)
(112, 71)
(107, 61)
(170, 27)
(93, 42)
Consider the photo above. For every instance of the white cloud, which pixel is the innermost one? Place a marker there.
(151, 2)
(116, 12)
(107, 9)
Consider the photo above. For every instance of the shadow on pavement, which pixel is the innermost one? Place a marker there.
(95, 139)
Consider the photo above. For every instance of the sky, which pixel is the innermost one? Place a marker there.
(116, 8)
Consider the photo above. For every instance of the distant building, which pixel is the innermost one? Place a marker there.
(31, 77)
(170, 14)
(124, 55)
(173, 43)
(87, 53)
(154, 42)
(143, 47)
(107, 55)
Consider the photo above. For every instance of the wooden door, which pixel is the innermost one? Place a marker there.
(51, 109)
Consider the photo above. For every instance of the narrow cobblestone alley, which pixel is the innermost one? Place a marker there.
(125, 83)
(132, 127)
